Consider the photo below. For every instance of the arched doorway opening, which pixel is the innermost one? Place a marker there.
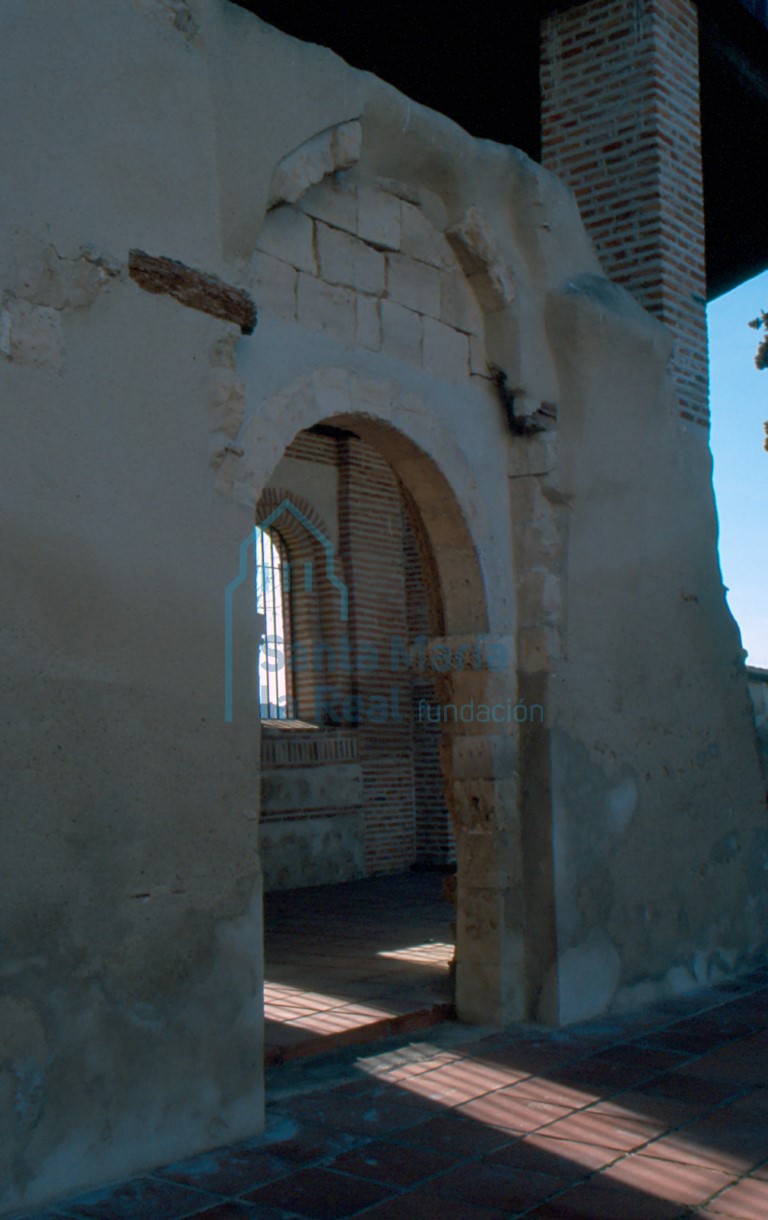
(414, 656)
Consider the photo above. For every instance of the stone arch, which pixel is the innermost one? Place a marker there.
(479, 758)
(378, 410)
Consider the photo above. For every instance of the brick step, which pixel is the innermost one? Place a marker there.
(372, 1031)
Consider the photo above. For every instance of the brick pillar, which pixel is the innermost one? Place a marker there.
(621, 125)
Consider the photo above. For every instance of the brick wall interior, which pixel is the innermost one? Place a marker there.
(621, 125)
(370, 716)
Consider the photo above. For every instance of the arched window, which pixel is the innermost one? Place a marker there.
(273, 581)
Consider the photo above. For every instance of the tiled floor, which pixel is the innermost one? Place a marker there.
(658, 1116)
(355, 962)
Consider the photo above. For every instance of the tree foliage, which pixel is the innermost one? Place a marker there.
(761, 355)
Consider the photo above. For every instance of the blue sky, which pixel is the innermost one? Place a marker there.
(739, 403)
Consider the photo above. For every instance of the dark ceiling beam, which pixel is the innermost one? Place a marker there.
(482, 70)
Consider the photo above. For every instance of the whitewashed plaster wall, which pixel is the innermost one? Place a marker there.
(394, 261)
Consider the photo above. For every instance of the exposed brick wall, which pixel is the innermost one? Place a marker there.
(621, 125)
(313, 447)
(406, 819)
(371, 541)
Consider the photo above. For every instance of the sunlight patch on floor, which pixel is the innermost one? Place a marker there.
(434, 951)
(315, 1011)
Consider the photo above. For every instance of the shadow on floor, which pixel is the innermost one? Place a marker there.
(353, 963)
(658, 1116)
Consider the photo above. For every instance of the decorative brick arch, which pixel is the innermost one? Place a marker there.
(316, 605)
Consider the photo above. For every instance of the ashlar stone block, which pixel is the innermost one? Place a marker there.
(367, 322)
(446, 351)
(539, 599)
(326, 307)
(346, 260)
(422, 241)
(458, 304)
(378, 218)
(333, 201)
(539, 648)
(533, 455)
(274, 285)
(478, 362)
(335, 149)
(413, 284)
(401, 332)
(287, 234)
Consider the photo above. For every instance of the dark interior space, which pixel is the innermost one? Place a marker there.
(483, 72)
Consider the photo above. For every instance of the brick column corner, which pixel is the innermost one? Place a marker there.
(621, 125)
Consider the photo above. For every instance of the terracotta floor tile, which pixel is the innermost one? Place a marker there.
(447, 1088)
(659, 1112)
(495, 1186)
(719, 1027)
(140, 1197)
(540, 1088)
(240, 1211)
(759, 1039)
(305, 996)
(367, 1012)
(682, 1148)
(510, 1112)
(285, 1012)
(419, 1056)
(467, 1071)
(735, 1134)
(748, 1200)
(394, 1164)
(450, 1133)
(228, 1171)
(47, 1216)
(679, 1183)
(560, 1158)
(398, 1073)
(600, 1076)
(321, 1194)
(735, 1065)
(524, 1059)
(604, 1130)
(332, 1022)
(313, 1143)
(305, 1105)
(598, 1201)
(753, 1102)
(671, 1040)
(471, 1119)
(650, 1061)
(366, 1116)
(422, 1205)
(677, 1086)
